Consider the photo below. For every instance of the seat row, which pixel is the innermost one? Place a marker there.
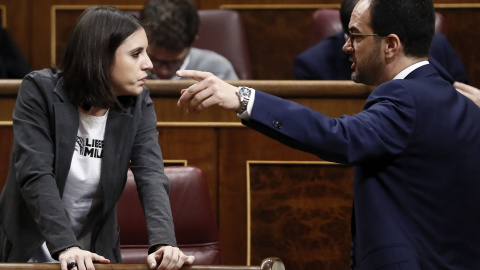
(222, 31)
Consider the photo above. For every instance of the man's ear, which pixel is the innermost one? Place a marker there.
(393, 45)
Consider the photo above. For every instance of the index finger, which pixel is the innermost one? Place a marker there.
(193, 74)
(153, 258)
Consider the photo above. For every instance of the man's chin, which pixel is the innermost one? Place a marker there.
(355, 77)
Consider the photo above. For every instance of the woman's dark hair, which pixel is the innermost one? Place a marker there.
(413, 21)
(90, 53)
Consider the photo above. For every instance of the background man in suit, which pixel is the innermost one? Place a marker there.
(326, 60)
(12, 62)
(414, 147)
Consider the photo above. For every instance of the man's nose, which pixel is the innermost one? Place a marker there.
(348, 47)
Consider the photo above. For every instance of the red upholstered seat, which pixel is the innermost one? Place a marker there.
(440, 23)
(326, 22)
(222, 31)
(195, 226)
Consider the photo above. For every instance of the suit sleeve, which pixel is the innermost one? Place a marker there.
(33, 158)
(152, 183)
(381, 130)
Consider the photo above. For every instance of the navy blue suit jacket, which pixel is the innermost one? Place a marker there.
(415, 150)
(327, 61)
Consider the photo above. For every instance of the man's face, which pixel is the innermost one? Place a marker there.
(364, 48)
(166, 61)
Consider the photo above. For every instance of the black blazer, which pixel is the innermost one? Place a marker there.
(45, 124)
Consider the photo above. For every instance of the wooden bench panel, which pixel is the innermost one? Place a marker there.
(217, 143)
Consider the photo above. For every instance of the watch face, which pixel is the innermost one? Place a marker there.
(245, 91)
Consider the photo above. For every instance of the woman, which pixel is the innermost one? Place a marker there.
(75, 135)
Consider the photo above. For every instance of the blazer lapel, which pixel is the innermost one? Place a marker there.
(118, 125)
(66, 127)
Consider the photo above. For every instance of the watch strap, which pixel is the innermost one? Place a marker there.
(243, 94)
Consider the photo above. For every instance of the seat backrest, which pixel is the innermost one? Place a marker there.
(326, 22)
(440, 23)
(222, 31)
(195, 226)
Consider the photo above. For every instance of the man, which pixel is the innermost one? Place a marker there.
(326, 60)
(172, 27)
(414, 146)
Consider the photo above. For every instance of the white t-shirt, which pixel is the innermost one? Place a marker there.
(82, 194)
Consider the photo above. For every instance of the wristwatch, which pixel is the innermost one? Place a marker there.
(243, 94)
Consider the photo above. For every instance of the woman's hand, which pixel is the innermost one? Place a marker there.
(168, 258)
(83, 258)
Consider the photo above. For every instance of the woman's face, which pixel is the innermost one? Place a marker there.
(129, 69)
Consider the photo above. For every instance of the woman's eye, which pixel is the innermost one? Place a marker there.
(136, 54)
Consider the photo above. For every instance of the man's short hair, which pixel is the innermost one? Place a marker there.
(346, 12)
(413, 21)
(170, 23)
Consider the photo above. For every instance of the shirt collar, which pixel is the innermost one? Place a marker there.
(404, 73)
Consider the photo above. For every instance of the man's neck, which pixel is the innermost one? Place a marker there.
(395, 67)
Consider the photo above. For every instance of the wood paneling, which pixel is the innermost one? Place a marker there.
(18, 17)
(276, 30)
(300, 212)
(216, 142)
(462, 41)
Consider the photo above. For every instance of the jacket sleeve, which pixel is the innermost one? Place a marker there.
(33, 158)
(381, 130)
(152, 183)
